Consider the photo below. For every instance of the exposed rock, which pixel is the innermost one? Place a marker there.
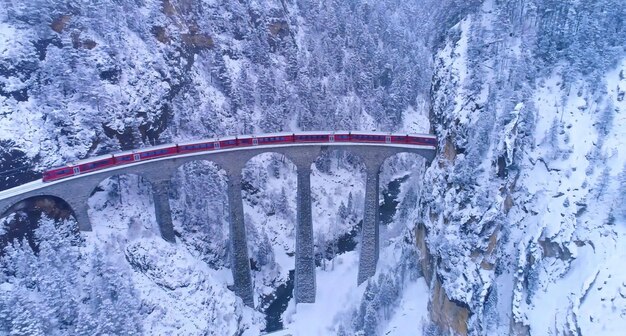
(89, 44)
(60, 22)
(168, 8)
(77, 43)
(279, 29)
(447, 314)
(507, 204)
(449, 151)
(425, 257)
(161, 34)
(198, 41)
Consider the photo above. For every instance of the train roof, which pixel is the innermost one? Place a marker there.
(312, 132)
(270, 135)
(206, 140)
(144, 149)
(370, 133)
(423, 135)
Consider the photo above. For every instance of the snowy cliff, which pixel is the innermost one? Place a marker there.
(524, 222)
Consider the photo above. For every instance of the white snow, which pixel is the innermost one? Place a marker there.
(336, 293)
(412, 312)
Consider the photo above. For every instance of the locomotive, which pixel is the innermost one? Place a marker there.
(150, 153)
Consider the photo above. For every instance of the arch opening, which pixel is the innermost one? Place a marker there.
(21, 220)
(399, 183)
(121, 207)
(200, 211)
(269, 187)
(338, 194)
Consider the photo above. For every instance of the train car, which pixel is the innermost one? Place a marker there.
(276, 138)
(79, 167)
(204, 145)
(57, 173)
(228, 142)
(92, 164)
(421, 140)
(370, 137)
(246, 140)
(340, 136)
(143, 154)
(308, 137)
(398, 139)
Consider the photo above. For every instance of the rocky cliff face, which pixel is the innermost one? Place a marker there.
(524, 219)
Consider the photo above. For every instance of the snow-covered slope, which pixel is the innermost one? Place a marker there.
(524, 219)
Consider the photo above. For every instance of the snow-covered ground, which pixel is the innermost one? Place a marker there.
(573, 182)
(336, 292)
(175, 285)
(411, 315)
(338, 298)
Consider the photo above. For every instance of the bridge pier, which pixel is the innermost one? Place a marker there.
(240, 262)
(370, 231)
(161, 195)
(304, 291)
(81, 215)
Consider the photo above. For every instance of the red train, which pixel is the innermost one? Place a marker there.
(112, 160)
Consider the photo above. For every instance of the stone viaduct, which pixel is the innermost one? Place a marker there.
(77, 190)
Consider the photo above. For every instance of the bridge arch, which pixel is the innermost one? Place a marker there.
(200, 210)
(123, 202)
(400, 180)
(269, 192)
(28, 211)
(338, 175)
